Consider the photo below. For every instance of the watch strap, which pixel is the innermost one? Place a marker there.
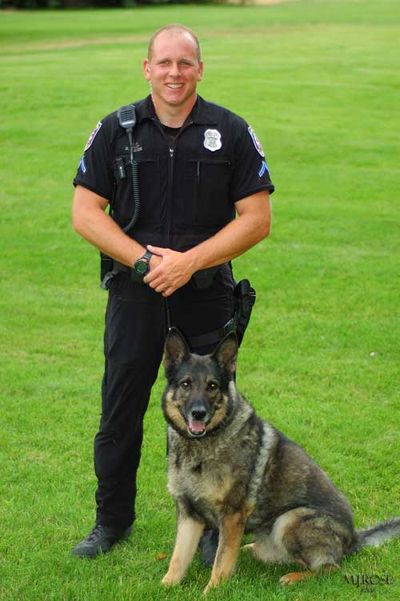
(147, 256)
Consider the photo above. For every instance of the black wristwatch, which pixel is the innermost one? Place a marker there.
(141, 267)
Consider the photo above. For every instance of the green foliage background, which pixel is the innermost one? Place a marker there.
(318, 80)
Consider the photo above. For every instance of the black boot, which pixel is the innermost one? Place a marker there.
(100, 540)
(208, 546)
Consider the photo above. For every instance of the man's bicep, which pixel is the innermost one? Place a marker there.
(85, 207)
(258, 207)
(257, 204)
(85, 198)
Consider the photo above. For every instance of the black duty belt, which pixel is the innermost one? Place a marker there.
(244, 299)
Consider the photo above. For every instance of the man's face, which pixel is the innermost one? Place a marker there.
(173, 70)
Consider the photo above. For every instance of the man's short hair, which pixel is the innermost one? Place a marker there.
(175, 27)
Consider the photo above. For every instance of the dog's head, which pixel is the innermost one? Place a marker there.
(200, 392)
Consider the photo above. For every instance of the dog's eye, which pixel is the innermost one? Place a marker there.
(211, 386)
(185, 384)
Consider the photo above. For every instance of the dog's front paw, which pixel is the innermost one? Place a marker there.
(169, 580)
(254, 550)
(208, 588)
(249, 547)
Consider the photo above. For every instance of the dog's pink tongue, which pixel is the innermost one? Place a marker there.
(197, 426)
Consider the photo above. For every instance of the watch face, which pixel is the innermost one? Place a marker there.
(141, 267)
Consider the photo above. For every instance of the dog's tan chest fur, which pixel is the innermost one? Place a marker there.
(213, 481)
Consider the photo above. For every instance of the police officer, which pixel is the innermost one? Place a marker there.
(200, 195)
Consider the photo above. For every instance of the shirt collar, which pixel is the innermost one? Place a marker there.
(201, 113)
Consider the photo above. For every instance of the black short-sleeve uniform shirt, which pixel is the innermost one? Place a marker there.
(188, 185)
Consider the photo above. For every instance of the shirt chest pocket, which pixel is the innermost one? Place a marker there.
(210, 183)
(146, 172)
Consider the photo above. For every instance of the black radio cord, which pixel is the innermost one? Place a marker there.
(135, 186)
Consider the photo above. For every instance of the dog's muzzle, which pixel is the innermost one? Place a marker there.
(197, 421)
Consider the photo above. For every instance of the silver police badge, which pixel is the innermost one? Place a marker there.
(212, 140)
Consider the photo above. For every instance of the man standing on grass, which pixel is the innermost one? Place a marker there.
(186, 168)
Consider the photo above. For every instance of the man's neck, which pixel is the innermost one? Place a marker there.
(173, 116)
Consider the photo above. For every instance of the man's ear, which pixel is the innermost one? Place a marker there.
(146, 69)
(226, 353)
(176, 350)
(200, 71)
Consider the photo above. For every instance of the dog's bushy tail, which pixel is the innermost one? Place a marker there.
(377, 535)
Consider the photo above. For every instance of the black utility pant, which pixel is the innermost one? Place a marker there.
(135, 330)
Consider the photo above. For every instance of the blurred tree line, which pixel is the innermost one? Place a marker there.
(28, 4)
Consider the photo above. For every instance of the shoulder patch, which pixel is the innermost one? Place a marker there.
(92, 136)
(256, 142)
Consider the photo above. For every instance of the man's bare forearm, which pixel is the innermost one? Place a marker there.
(94, 225)
(230, 242)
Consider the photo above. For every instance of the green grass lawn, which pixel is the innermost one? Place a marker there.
(318, 80)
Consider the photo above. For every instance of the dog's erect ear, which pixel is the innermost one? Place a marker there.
(176, 349)
(226, 352)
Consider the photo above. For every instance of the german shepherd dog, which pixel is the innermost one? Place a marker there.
(232, 471)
